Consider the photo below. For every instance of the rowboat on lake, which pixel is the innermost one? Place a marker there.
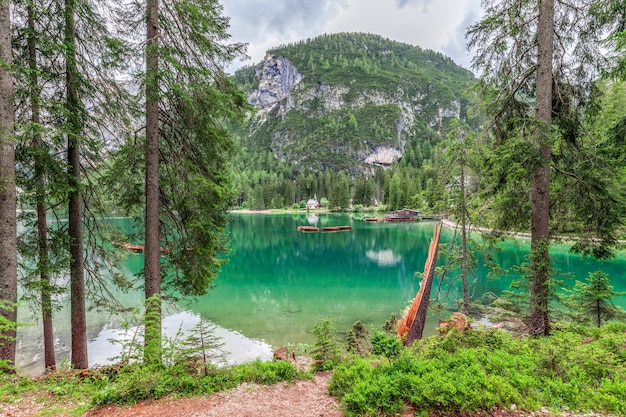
(138, 248)
(308, 229)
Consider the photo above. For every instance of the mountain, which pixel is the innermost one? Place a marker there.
(350, 101)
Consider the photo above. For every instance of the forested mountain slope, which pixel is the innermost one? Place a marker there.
(349, 102)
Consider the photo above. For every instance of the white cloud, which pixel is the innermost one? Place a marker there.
(438, 25)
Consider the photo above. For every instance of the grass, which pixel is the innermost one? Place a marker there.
(74, 392)
(578, 369)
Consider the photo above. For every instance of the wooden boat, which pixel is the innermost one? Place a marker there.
(345, 227)
(308, 229)
(371, 219)
(398, 220)
(137, 248)
(330, 229)
(129, 246)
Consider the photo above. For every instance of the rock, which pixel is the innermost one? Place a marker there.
(278, 77)
(458, 321)
(384, 155)
(284, 354)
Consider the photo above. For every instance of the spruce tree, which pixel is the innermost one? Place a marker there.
(592, 300)
(534, 54)
(8, 222)
(52, 50)
(188, 99)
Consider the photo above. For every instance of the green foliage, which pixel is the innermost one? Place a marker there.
(387, 345)
(592, 301)
(153, 350)
(479, 371)
(136, 382)
(339, 195)
(200, 349)
(326, 351)
(391, 325)
(6, 329)
(357, 339)
(347, 374)
(580, 369)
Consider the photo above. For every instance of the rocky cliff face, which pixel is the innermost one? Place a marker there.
(277, 78)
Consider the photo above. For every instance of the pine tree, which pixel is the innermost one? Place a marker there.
(40, 192)
(152, 266)
(46, 45)
(592, 300)
(188, 99)
(525, 49)
(8, 222)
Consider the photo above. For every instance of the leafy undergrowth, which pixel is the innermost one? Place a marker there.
(477, 371)
(481, 371)
(77, 391)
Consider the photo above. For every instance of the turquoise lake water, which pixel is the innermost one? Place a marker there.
(279, 282)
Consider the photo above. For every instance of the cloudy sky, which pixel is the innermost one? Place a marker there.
(431, 24)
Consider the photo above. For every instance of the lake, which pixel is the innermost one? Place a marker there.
(279, 282)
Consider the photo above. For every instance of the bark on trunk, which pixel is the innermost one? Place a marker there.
(75, 213)
(540, 191)
(152, 237)
(464, 242)
(42, 225)
(8, 222)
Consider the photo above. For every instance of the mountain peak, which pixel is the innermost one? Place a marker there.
(349, 101)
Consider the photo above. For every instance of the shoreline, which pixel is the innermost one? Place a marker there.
(452, 225)
(445, 222)
(569, 239)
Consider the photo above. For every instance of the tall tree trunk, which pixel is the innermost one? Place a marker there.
(152, 268)
(8, 222)
(540, 188)
(464, 241)
(42, 224)
(75, 211)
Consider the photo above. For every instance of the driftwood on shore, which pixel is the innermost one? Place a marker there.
(411, 325)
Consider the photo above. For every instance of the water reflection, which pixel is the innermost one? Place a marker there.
(384, 257)
(278, 282)
(106, 344)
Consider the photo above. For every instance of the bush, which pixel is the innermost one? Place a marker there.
(479, 371)
(326, 352)
(357, 340)
(386, 345)
(137, 382)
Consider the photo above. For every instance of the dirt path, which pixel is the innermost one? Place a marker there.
(300, 399)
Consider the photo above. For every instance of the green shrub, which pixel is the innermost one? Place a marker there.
(136, 382)
(346, 375)
(385, 345)
(481, 371)
(326, 351)
(375, 397)
(357, 340)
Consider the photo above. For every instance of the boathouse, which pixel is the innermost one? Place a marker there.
(404, 215)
